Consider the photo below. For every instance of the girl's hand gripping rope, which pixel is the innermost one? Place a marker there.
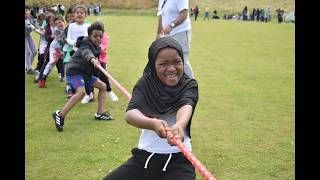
(176, 140)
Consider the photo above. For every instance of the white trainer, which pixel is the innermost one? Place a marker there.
(87, 98)
(36, 74)
(113, 96)
(59, 75)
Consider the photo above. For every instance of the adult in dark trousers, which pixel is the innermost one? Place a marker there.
(196, 12)
(254, 14)
(164, 98)
(244, 13)
(258, 14)
(174, 21)
(88, 9)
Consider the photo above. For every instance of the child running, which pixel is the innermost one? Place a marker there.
(80, 73)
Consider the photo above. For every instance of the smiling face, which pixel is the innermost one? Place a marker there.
(169, 66)
(96, 37)
(79, 15)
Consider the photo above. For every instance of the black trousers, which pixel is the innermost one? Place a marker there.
(178, 168)
(40, 61)
(46, 61)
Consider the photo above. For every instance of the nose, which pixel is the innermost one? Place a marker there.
(171, 67)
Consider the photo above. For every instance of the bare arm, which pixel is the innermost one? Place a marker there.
(182, 16)
(137, 119)
(182, 119)
(159, 31)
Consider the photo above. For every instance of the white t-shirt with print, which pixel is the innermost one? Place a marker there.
(170, 12)
(75, 31)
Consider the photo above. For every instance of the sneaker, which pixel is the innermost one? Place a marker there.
(35, 81)
(36, 74)
(113, 96)
(58, 120)
(59, 76)
(87, 98)
(68, 89)
(104, 116)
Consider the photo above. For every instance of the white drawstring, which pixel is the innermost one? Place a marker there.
(146, 164)
(165, 166)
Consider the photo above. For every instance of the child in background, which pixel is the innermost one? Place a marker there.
(66, 50)
(77, 29)
(30, 48)
(206, 13)
(55, 50)
(80, 72)
(40, 24)
(49, 28)
(104, 62)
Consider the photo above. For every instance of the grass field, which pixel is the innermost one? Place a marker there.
(243, 126)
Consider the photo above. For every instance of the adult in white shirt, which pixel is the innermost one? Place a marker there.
(174, 21)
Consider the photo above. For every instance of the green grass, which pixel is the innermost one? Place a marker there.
(243, 126)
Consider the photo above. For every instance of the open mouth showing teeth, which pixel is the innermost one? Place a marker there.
(171, 76)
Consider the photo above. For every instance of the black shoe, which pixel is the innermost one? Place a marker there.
(30, 71)
(35, 81)
(104, 116)
(58, 120)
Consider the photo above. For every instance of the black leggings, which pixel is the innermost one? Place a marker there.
(178, 167)
(40, 61)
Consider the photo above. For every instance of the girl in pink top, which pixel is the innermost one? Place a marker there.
(104, 61)
(104, 47)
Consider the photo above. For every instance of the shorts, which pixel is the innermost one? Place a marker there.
(78, 81)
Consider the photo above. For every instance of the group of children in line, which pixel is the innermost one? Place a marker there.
(76, 48)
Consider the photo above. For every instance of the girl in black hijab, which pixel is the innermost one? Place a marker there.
(164, 97)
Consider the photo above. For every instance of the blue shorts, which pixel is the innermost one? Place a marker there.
(78, 81)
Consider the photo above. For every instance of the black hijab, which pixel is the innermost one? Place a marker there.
(152, 97)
